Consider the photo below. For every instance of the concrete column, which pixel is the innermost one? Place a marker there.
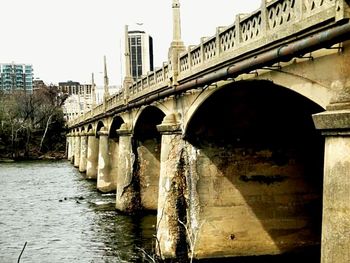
(70, 146)
(104, 182)
(335, 125)
(171, 191)
(83, 152)
(127, 199)
(92, 156)
(114, 156)
(77, 150)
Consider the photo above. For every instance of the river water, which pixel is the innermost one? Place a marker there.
(63, 218)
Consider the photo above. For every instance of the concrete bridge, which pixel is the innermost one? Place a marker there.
(240, 143)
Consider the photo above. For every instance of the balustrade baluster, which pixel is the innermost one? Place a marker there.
(264, 17)
(238, 29)
(201, 51)
(299, 9)
(189, 58)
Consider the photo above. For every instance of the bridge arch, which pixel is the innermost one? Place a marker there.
(117, 121)
(99, 126)
(198, 101)
(144, 111)
(90, 127)
(146, 147)
(111, 177)
(258, 159)
(314, 92)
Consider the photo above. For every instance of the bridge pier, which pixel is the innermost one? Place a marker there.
(70, 147)
(113, 146)
(335, 126)
(127, 198)
(104, 180)
(171, 200)
(77, 150)
(148, 154)
(92, 156)
(83, 152)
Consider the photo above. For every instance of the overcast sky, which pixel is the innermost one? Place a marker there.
(67, 39)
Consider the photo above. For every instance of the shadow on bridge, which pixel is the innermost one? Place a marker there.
(260, 168)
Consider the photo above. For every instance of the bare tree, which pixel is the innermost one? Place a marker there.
(26, 117)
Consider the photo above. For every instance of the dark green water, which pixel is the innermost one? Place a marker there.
(64, 219)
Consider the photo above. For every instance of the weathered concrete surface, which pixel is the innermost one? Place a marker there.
(77, 150)
(254, 172)
(336, 201)
(104, 180)
(70, 147)
(114, 156)
(335, 125)
(146, 147)
(171, 216)
(92, 156)
(127, 196)
(73, 148)
(83, 153)
(148, 154)
(252, 205)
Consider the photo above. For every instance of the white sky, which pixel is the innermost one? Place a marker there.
(67, 39)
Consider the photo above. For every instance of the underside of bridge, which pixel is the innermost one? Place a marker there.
(146, 147)
(258, 161)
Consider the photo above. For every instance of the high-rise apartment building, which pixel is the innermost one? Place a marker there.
(15, 77)
(141, 53)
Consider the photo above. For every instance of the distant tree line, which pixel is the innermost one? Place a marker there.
(31, 124)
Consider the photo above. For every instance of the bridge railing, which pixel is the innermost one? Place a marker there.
(152, 81)
(274, 21)
(113, 101)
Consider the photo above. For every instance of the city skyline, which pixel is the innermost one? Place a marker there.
(66, 40)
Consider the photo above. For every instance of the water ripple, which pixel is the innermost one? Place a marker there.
(63, 218)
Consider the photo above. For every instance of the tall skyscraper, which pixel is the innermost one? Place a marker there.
(141, 53)
(15, 77)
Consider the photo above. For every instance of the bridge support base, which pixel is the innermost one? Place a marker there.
(336, 189)
(77, 150)
(113, 147)
(127, 198)
(172, 208)
(70, 147)
(83, 153)
(92, 156)
(104, 181)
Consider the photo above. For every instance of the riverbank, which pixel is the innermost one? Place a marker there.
(32, 156)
